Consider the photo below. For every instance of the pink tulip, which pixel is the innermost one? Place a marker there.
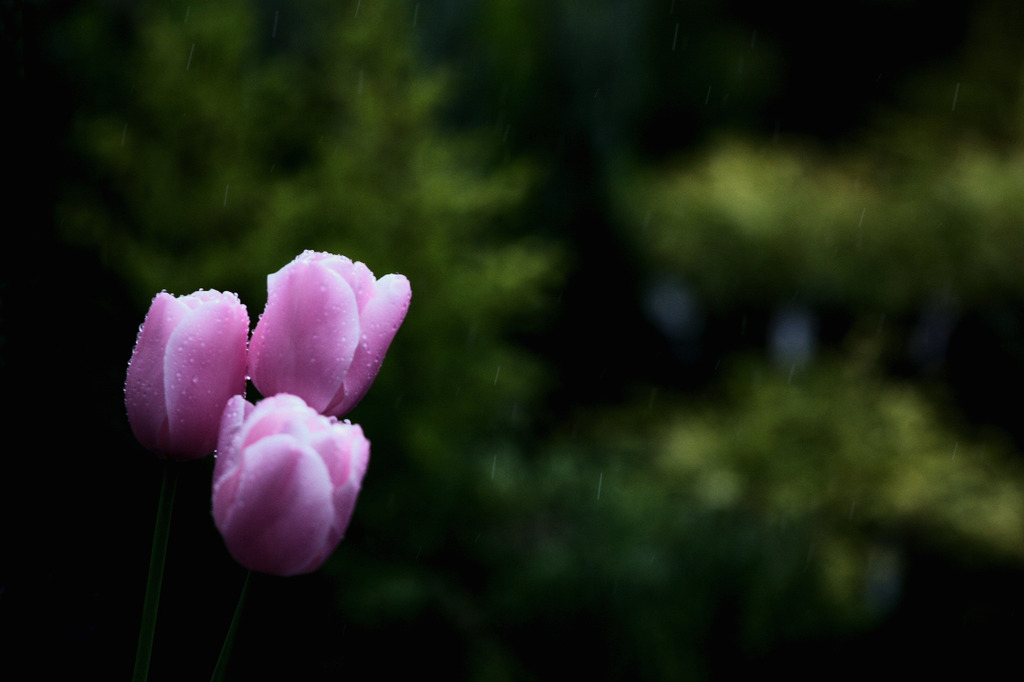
(189, 359)
(285, 483)
(325, 330)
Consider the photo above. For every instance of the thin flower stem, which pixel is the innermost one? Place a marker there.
(156, 571)
(229, 640)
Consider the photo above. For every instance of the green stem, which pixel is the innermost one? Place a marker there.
(229, 640)
(156, 571)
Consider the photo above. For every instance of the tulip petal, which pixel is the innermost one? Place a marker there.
(346, 492)
(228, 456)
(144, 388)
(204, 366)
(305, 340)
(345, 451)
(358, 276)
(379, 321)
(280, 514)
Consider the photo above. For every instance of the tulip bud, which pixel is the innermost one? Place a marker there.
(189, 359)
(285, 483)
(326, 327)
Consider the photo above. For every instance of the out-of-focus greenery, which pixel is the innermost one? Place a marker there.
(876, 234)
(595, 450)
(661, 532)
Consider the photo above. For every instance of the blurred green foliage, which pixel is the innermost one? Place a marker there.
(876, 234)
(660, 531)
(531, 169)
